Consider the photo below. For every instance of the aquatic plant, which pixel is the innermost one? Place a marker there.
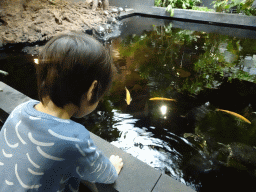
(186, 60)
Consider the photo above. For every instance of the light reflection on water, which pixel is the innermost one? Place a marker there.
(142, 144)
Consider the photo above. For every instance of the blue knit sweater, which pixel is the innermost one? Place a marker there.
(40, 152)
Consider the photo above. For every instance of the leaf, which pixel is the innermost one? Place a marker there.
(169, 8)
(227, 7)
(172, 13)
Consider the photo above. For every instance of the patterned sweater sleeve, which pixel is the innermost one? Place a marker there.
(92, 165)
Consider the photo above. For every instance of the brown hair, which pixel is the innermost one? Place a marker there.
(68, 65)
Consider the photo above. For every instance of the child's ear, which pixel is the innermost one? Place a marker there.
(91, 90)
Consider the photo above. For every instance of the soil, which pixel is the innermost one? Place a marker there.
(30, 21)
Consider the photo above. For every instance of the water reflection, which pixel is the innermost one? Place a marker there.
(163, 110)
(188, 60)
(36, 61)
(142, 142)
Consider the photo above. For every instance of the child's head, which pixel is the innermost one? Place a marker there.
(68, 65)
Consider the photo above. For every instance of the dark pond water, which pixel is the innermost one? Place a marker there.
(176, 73)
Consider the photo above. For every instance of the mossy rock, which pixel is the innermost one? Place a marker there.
(243, 154)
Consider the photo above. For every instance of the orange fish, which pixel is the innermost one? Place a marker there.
(161, 99)
(128, 97)
(235, 114)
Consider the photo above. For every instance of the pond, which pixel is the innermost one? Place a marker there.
(172, 79)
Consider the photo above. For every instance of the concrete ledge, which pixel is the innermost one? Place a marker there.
(147, 8)
(136, 176)
(10, 98)
(166, 185)
(201, 16)
(135, 24)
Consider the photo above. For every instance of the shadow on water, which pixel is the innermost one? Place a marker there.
(177, 79)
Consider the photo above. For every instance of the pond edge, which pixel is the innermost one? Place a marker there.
(211, 18)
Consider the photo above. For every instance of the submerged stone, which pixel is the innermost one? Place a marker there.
(242, 154)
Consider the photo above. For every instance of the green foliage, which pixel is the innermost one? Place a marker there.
(183, 4)
(171, 4)
(158, 3)
(244, 7)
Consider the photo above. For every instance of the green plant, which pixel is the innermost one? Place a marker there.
(219, 5)
(244, 7)
(158, 3)
(171, 4)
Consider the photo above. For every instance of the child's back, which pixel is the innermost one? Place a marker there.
(41, 150)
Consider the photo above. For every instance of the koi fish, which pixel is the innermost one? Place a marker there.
(128, 97)
(236, 115)
(161, 99)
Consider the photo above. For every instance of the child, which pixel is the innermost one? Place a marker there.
(41, 148)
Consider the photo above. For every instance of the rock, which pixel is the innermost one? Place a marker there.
(36, 28)
(1, 12)
(105, 4)
(95, 4)
(100, 29)
(196, 115)
(114, 10)
(108, 28)
(57, 17)
(242, 154)
(31, 26)
(34, 50)
(120, 9)
(88, 1)
(112, 20)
